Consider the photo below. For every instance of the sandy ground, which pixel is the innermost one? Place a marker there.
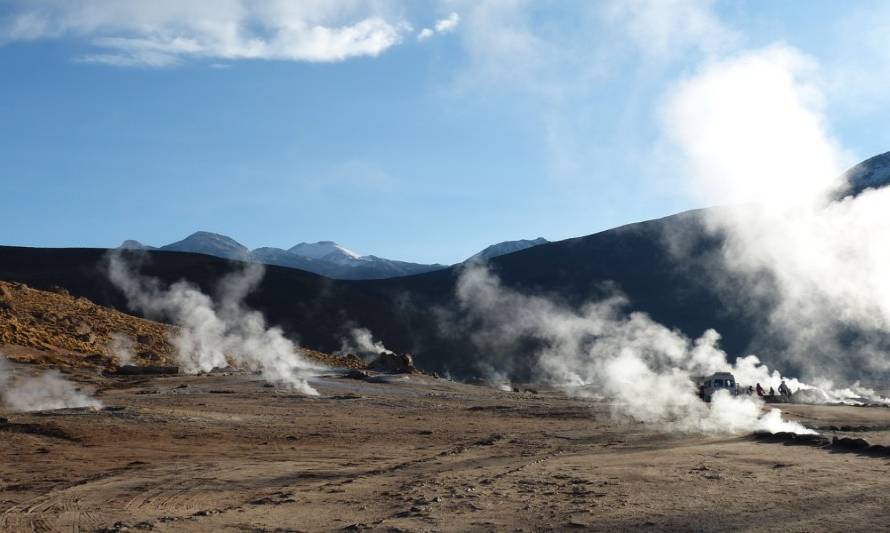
(225, 453)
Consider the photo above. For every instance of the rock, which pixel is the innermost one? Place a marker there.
(356, 374)
(6, 300)
(848, 443)
(812, 440)
(878, 449)
(59, 290)
(394, 363)
(133, 370)
(97, 359)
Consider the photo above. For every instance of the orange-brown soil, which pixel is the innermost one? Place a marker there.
(53, 328)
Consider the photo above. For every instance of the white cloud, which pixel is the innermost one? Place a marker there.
(448, 24)
(425, 34)
(445, 25)
(165, 32)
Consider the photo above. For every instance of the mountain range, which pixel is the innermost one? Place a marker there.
(325, 258)
(408, 313)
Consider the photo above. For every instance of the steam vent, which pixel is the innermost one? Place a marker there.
(446, 266)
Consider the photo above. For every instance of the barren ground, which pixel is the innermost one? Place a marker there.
(225, 453)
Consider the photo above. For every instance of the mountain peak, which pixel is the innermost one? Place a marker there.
(872, 173)
(327, 250)
(131, 244)
(209, 243)
(506, 247)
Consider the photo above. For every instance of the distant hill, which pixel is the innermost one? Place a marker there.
(691, 294)
(326, 258)
(405, 312)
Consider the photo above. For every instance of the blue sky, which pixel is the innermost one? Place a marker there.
(280, 122)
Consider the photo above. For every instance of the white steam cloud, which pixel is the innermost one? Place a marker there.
(122, 347)
(645, 369)
(361, 342)
(213, 333)
(752, 129)
(47, 391)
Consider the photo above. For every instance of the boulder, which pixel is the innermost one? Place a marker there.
(878, 449)
(848, 443)
(6, 299)
(394, 363)
(59, 290)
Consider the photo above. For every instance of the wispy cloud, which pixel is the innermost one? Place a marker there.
(663, 29)
(163, 33)
(445, 25)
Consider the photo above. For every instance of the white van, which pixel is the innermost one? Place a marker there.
(715, 382)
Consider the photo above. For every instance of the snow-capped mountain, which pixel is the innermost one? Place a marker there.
(504, 248)
(326, 251)
(326, 258)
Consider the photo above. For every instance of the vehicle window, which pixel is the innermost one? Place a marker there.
(718, 382)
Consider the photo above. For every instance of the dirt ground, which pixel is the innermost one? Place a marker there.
(226, 453)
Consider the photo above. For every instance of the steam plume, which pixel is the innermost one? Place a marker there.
(46, 391)
(213, 332)
(645, 369)
(752, 129)
(121, 346)
(361, 342)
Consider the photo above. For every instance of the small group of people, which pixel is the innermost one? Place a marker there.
(784, 391)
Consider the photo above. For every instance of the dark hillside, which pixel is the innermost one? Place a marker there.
(634, 259)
